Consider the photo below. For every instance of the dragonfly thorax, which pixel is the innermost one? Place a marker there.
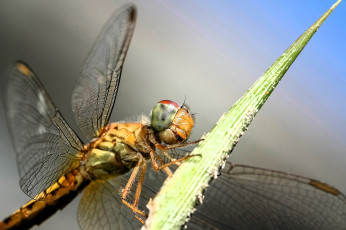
(117, 150)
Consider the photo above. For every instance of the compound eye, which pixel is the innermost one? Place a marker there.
(163, 114)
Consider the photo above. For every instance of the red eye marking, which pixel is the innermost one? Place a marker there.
(169, 102)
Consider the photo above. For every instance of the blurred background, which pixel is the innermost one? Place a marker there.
(210, 52)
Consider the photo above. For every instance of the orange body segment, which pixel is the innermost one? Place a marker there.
(36, 211)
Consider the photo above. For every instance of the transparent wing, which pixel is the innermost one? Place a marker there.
(101, 206)
(94, 96)
(245, 197)
(46, 147)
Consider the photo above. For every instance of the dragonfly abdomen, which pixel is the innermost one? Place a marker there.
(46, 203)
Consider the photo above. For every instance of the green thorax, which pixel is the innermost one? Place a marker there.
(115, 152)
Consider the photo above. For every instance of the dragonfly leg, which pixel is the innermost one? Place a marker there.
(140, 184)
(168, 147)
(141, 168)
(153, 156)
(164, 166)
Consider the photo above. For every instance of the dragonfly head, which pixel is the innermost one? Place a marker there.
(172, 122)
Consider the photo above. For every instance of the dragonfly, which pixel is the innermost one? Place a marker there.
(124, 164)
(54, 164)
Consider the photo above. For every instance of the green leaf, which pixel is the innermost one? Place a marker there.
(177, 198)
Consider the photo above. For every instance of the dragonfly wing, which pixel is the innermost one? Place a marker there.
(101, 208)
(94, 96)
(245, 197)
(46, 147)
